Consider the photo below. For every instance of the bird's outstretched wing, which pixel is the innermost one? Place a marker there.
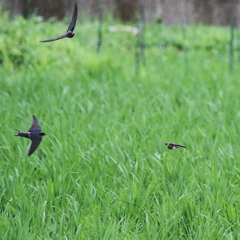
(180, 146)
(74, 19)
(34, 145)
(57, 38)
(35, 125)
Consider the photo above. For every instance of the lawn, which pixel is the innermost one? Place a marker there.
(103, 171)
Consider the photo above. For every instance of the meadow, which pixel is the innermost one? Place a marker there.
(103, 171)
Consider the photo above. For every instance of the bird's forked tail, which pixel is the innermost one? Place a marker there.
(21, 134)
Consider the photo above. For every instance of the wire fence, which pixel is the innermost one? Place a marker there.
(141, 45)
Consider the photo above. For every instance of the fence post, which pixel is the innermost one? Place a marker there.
(140, 43)
(231, 44)
(100, 20)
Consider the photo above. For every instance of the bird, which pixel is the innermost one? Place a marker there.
(70, 29)
(173, 146)
(34, 134)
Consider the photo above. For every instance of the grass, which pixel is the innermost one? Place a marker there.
(103, 171)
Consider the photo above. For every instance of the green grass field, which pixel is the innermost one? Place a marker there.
(103, 171)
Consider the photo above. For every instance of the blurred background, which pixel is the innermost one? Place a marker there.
(169, 12)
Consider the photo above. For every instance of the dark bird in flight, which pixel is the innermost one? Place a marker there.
(173, 146)
(34, 134)
(70, 29)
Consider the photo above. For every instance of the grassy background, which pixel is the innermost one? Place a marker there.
(102, 171)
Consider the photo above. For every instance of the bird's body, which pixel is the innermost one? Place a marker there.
(69, 33)
(173, 146)
(34, 134)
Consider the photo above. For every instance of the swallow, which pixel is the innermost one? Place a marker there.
(70, 29)
(173, 146)
(34, 134)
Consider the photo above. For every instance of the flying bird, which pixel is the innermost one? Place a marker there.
(173, 146)
(70, 29)
(34, 134)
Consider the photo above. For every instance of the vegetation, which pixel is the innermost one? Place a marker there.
(103, 171)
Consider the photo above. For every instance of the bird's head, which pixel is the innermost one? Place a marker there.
(70, 34)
